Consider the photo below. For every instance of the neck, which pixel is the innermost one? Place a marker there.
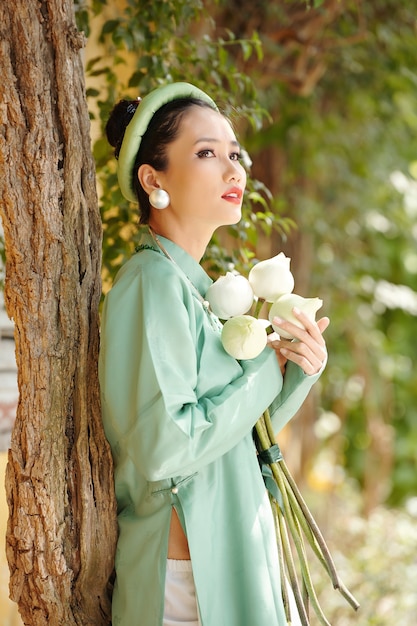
(186, 237)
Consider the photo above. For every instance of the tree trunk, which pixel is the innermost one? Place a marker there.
(62, 525)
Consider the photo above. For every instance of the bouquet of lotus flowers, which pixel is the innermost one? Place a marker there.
(244, 336)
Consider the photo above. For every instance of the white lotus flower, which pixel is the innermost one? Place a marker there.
(230, 295)
(272, 278)
(283, 307)
(244, 337)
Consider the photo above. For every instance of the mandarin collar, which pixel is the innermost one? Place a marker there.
(191, 268)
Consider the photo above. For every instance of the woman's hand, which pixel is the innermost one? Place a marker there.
(308, 350)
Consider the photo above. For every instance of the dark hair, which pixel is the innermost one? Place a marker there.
(162, 130)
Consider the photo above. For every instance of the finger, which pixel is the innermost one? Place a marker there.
(273, 338)
(300, 354)
(282, 361)
(307, 331)
(275, 343)
(323, 323)
(309, 348)
(310, 325)
(303, 352)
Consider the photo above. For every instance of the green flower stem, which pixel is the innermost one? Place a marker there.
(297, 517)
(268, 425)
(263, 433)
(315, 545)
(317, 542)
(259, 304)
(292, 574)
(307, 578)
(295, 531)
(285, 598)
(306, 599)
(289, 519)
(316, 539)
(309, 524)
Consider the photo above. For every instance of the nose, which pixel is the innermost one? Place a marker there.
(234, 172)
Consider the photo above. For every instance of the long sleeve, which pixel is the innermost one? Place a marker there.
(295, 390)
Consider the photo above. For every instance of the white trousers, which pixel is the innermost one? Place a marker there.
(180, 597)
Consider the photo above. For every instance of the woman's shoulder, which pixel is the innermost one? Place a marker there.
(149, 262)
(148, 268)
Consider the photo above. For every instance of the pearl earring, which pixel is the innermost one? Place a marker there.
(159, 199)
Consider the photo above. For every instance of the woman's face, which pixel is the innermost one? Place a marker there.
(204, 178)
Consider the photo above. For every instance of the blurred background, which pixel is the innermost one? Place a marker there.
(323, 97)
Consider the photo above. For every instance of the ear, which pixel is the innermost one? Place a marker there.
(148, 178)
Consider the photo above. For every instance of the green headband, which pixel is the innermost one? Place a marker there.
(140, 122)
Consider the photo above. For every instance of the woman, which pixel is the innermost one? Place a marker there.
(197, 541)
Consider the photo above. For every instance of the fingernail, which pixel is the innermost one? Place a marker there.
(278, 320)
(296, 310)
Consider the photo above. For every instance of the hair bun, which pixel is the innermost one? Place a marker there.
(118, 120)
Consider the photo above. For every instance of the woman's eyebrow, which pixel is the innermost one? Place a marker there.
(233, 142)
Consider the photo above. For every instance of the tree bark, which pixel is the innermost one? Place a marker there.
(62, 525)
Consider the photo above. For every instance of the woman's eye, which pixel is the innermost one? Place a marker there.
(235, 156)
(204, 154)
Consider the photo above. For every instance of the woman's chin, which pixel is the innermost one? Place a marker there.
(233, 218)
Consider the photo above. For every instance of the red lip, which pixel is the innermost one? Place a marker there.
(234, 195)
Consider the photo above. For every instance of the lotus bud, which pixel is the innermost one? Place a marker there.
(230, 295)
(283, 308)
(271, 278)
(244, 337)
